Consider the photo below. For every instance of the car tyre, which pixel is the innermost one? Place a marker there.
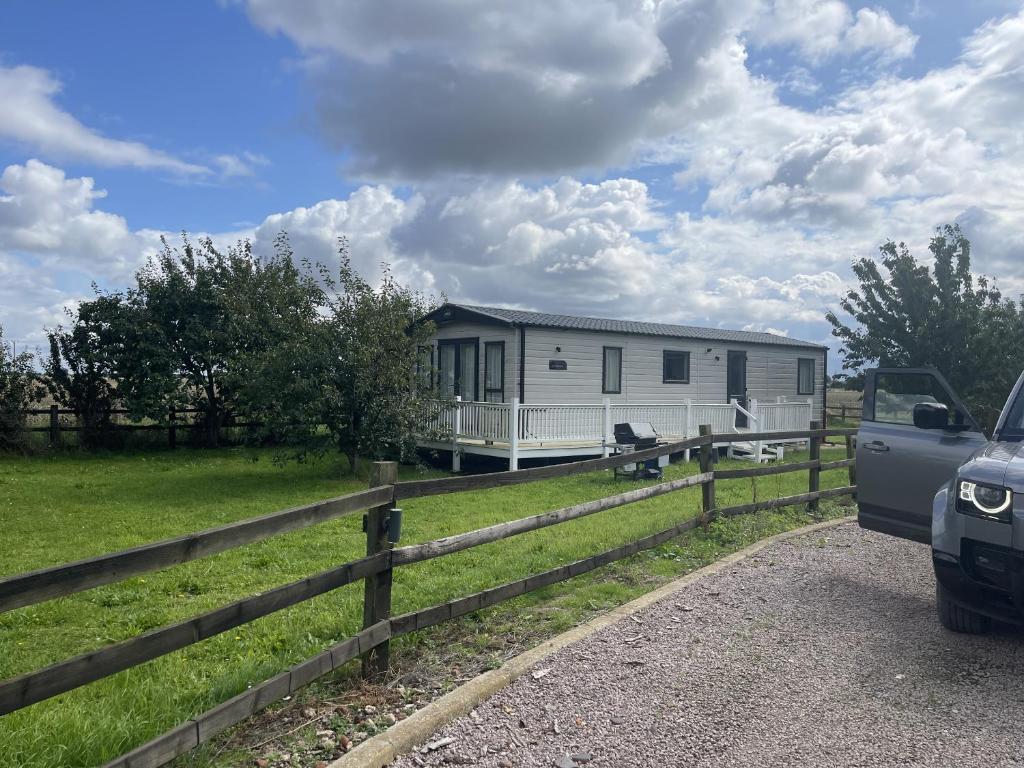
(956, 618)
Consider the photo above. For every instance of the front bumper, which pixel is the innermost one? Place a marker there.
(984, 578)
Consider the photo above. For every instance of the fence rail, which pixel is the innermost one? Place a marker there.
(375, 570)
(177, 420)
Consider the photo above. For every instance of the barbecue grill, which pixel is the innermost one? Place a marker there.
(637, 436)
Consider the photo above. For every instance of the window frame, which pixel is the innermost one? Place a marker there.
(664, 366)
(604, 371)
(457, 361)
(501, 390)
(814, 372)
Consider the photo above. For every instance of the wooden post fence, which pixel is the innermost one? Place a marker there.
(850, 455)
(54, 427)
(172, 429)
(371, 644)
(377, 594)
(814, 473)
(708, 488)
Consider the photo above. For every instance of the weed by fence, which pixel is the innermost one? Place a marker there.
(383, 520)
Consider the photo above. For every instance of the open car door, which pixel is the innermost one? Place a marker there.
(914, 436)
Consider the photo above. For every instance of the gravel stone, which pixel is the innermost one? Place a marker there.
(823, 650)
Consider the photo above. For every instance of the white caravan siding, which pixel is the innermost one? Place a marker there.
(771, 370)
(487, 332)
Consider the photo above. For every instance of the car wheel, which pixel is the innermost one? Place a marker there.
(955, 617)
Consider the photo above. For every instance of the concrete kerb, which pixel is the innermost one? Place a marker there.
(404, 736)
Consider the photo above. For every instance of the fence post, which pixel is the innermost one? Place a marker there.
(377, 592)
(513, 435)
(607, 426)
(851, 454)
(735, 415)
(758, 446)
(54, 427)
(814, 473)
(689, 427)
(172, 429)
(707, 489)
(456, 429)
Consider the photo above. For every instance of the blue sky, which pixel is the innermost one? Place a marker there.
(697, 162)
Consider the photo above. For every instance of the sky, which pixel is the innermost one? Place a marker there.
(692, 161)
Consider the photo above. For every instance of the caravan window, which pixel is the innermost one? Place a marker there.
(805, 376)
(494, 371)
(457, 367)
(611, 371)
(675, 367)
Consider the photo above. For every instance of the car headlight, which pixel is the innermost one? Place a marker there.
(989, 501)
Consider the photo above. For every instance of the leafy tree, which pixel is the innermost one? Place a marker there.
(80, 370)
(19, 388)
(192, 331)
(909, 314)
(354, 372)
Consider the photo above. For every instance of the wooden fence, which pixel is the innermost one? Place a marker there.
(844, 413)
(178, 420)
(382, 519)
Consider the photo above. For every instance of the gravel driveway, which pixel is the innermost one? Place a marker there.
(823, 650)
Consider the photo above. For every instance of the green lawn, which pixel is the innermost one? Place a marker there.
(56, 509)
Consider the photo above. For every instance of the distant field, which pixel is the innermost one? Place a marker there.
(844, 397)
(57, 509)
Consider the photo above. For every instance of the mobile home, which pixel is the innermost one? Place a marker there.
(490, 355)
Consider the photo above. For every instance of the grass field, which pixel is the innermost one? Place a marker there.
(62, 508)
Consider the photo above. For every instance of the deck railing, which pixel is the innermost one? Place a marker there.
(551, 423)
(484, 421)
(783, 417)
(567, 422)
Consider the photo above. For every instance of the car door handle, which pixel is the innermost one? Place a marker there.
(876, 446)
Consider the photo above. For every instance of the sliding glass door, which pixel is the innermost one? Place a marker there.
(457, 366)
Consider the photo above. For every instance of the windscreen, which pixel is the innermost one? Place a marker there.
(1013, 429)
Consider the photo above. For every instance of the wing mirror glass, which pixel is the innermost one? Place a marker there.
(931, 416)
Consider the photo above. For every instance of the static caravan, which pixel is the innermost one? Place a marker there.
(565, 365)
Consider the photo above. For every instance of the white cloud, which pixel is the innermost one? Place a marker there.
(821, 29)
(239, 166)
(367, 219)
(31, 117)
(29, 302)
(792, 196)
(46, 214)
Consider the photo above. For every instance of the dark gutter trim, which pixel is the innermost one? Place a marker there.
(522, 364)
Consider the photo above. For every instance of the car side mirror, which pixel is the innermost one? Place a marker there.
(931, 416)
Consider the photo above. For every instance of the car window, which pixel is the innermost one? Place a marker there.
(1014, 426)
(896, 394)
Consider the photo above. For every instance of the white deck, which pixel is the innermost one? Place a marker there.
(561, 430)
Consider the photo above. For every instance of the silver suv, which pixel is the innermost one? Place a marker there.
(927, 472)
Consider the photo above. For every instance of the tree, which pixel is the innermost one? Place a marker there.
(907, 314)
(354, 373)
(80, 370)
(19, 388)
(198, 321)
